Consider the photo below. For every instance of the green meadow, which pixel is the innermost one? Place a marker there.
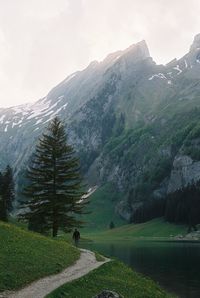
(27, 256)
(154, 229)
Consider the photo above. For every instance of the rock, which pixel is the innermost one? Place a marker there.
(124, 210)
(182, 161)
(196, 43)
(108, 294)
(185, 171)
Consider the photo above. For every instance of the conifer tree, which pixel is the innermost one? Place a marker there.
(1, 200)
(7, 193)
(54, 189)
(1, 182)
(111, 225)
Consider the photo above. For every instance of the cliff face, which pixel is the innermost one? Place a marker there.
(184, 171)
(151, 161)
(133, 123)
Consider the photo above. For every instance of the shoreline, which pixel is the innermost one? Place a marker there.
(146, 239)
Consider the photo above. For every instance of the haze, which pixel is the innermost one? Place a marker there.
(43, 41)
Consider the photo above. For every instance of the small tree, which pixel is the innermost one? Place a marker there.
(54, 189)
(7, 193)
(111, 225)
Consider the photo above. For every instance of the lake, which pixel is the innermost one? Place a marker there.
(174, 265)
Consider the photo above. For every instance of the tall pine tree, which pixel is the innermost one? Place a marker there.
(54, 189)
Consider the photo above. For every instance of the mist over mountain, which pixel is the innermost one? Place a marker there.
(134, 124)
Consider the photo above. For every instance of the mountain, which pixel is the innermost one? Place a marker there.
(134, 123)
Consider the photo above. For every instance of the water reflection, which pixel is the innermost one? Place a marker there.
(176, 266)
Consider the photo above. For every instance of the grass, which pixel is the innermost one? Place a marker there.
(156, 228)
(99, 257)
(102, 204)
(26, 256)
(113, 276)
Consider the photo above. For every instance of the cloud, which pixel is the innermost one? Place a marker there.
(42, 41)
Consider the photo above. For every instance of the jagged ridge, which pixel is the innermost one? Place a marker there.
(116, 112)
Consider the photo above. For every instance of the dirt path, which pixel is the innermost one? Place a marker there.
(44, 286)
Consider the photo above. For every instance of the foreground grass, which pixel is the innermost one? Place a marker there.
(156, 228)
(112, 276)
(26, 256)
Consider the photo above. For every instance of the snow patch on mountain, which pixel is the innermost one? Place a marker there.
(38, 109)
(40, 112)
(177, 67)
(16, 123)
(186, 65)
(159, 75)
(2, 118)
(38, 121)
(22, 109)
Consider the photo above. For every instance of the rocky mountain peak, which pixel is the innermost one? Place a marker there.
(139, 50)
(112, 57)
(158, 105)
(196, 43)
(135, 52)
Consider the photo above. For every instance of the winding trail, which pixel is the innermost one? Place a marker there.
(39, 289)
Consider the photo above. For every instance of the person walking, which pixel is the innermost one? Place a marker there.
(76, 237)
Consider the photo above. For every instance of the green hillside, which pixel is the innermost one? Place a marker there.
(102, 209)
(156, 228)
(26, 256)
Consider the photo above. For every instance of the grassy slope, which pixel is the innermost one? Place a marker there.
(102, 204)
(113, 276)
(154, 228)
(26, 256)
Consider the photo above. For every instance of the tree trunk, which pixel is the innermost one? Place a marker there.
(55, 225)
(55, 230)
(4, 210)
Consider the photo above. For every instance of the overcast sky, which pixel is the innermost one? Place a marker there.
(43, 41)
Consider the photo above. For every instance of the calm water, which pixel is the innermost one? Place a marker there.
(175, 266)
